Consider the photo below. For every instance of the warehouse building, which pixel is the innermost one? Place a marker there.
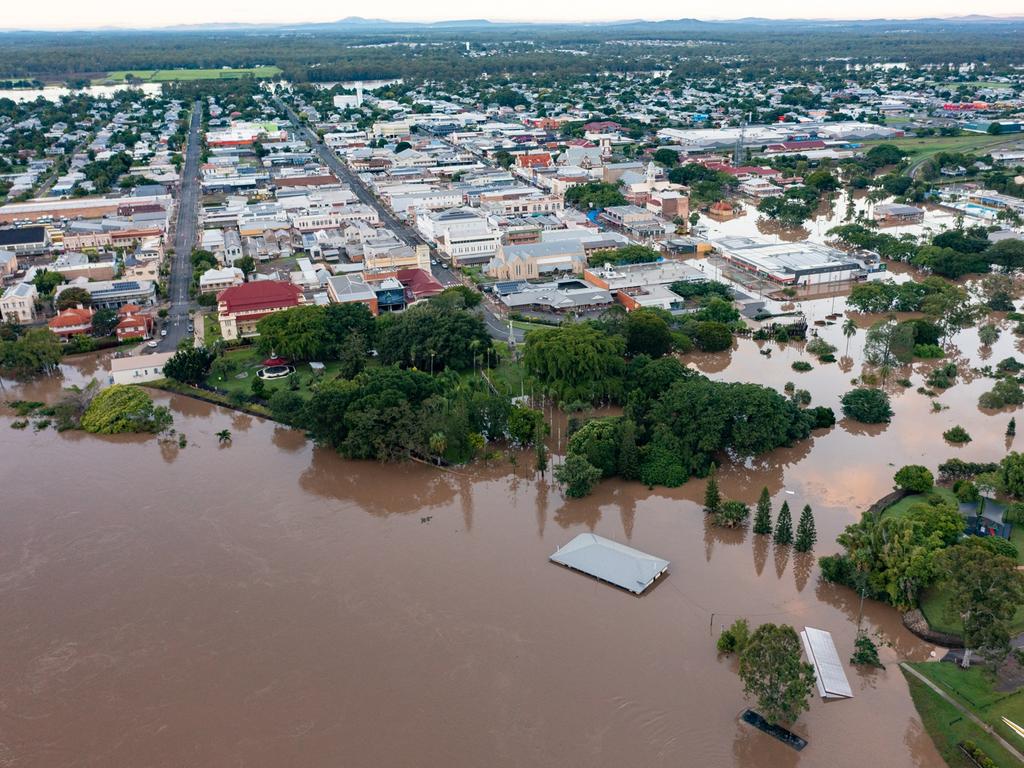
(801, 263)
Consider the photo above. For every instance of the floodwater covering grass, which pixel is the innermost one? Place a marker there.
(172, 75)
(946, 725)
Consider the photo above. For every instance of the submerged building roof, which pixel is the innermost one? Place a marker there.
(610, 561)
(828, 669)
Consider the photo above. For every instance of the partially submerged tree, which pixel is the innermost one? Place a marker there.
(775, 674)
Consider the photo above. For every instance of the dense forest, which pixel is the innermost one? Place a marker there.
(354, 50)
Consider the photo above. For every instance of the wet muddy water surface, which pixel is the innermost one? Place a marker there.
(267, 603)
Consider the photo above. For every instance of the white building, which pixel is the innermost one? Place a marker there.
(465, 235)
(138, 368)
(216, 280)
(18, 304)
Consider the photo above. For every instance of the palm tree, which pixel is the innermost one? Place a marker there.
(224, 436)
(438, 445)
(849, 331)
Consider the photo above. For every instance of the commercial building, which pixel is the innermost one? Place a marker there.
(24, 241)
(112, 294)
(802, 263)
(465, 235)
(893, 214)
(239, 308)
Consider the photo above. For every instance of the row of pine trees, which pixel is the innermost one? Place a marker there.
(781, 530)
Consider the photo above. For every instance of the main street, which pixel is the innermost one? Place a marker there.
(496, 326)
(184, 239)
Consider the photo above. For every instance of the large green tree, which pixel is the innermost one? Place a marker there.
(123, 408)
(985, 591)
(775, 674)
(576, 362)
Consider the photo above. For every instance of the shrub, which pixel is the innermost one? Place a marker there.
(1004, 392)
(819, 347)
(836, 569)
(734, 639)
(829, 358)
(802, 366)
(928, 351)
(942, 377)
(977, 754)
(869, 406)
(958, 469)
(823, 417)
(732, 514)
(914, 478)
(865, 652)
(957, 434)
(904, 382)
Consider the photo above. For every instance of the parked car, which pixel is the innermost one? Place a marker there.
(163, 331)
(152, 344)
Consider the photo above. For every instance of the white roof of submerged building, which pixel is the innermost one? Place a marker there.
(612, 562)
(828, 669)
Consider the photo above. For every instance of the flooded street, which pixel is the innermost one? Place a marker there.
(267, 603)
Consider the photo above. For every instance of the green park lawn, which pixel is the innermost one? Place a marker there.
(902, 507)
(243, 365)
(948, 727)
(172, 75)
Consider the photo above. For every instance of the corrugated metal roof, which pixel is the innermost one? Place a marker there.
(828, 669)
(612, 562)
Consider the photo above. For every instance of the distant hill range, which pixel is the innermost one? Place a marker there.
(360, 25)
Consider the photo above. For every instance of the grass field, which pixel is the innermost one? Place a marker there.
(930, 145)
(901, 507)
(947, 726)
(933, 606)
(172, 75)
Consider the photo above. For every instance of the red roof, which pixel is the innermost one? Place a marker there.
(129, 309)
(305, 181)
(259, 295)
(535, 160)
(71, 318)
(420, 282)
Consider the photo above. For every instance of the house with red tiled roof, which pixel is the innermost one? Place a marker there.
(133, 323)
(240, 307)
(74, 321)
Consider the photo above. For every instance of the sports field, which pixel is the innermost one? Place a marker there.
(171, 75)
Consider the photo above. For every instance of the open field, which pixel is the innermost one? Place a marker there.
(919, 148)
(172, 75)
(947, 726)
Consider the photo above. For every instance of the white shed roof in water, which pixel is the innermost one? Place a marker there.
(612, 562)
(828, 669)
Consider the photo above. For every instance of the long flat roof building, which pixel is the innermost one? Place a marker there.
(802, 263)
(612, 562)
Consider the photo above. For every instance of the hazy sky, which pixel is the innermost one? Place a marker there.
(155, 13)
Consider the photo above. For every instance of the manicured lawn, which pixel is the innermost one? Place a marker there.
(902, 507)
(243, 365)
(947, 726)
(974, 689)
(508, 375)
(211, 330)
(171, 75)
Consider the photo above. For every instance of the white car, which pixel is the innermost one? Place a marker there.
(152, 344)
(163, 331)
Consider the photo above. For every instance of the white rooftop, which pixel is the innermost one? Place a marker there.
(610, 561)
(828, 669)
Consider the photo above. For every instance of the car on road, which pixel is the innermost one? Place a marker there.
(163, 331)
(153, 344)
(191, 329)
(433, 262)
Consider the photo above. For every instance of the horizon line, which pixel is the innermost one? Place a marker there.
(358, 20)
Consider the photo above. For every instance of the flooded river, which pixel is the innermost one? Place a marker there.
(266, 603)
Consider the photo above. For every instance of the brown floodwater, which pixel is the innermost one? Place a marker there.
(267, 603)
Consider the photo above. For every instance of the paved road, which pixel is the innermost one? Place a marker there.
(187, 223)
(496, 326)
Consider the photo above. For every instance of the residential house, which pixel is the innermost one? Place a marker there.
(75, 321)
(138, 368)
